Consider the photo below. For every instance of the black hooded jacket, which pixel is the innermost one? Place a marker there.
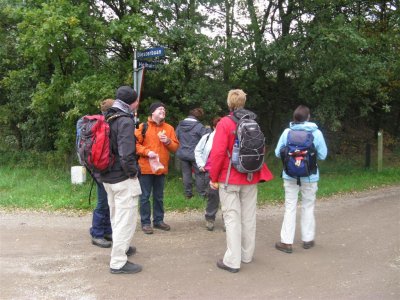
(123, 146)
(189, 133)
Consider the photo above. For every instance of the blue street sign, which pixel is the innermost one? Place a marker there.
(151, 52)
(147, 65)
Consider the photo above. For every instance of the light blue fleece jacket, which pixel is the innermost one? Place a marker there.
(319, 143)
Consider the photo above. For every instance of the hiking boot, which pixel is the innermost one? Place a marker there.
(308, 245)
(147, 229)
(101, 242)
(221, 265)
(287, 248)
(210, 225)
(131, 251)
(162, 226)
(128, 268)
(188, 197)
(108, 237)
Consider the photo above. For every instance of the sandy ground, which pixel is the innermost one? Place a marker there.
(49, 256)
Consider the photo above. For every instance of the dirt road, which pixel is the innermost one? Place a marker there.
(49, 256)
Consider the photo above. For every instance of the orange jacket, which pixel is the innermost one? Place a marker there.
(151, 142)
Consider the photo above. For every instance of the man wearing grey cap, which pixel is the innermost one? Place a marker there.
(121, 181)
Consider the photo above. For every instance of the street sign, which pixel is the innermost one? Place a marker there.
(151, 52)
(148, 65)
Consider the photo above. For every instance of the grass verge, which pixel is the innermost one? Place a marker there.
(51, 189)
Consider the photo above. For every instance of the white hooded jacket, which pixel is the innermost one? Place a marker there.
(203, 149)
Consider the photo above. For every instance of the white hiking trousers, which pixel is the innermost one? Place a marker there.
(308, 195)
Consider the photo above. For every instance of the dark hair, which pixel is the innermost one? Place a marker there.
(215, 121)
(126, 94)
(197, 113)
(301, 114)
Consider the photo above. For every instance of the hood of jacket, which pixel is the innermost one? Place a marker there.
(119, 107)
(307, 126)
(188, 124)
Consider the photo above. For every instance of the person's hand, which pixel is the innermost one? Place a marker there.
(164, 139)
(152, 154)
(214, 185)
(202, 169)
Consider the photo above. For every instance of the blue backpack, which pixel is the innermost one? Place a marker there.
(299, 156)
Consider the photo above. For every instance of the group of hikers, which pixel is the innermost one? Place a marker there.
(141, 159)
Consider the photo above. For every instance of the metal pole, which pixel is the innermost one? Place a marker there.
(135, 85)
(367, 155)
(135, 79)
(380, 150)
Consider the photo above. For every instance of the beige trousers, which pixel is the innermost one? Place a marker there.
(123, 200)
(238, 204)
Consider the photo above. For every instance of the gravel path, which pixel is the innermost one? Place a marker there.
(49, 256)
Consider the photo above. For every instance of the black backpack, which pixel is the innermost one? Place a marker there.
(247, 155)
(299, 156)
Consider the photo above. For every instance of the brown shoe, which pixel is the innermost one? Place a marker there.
(287, 248)
(308, 245)
(221, 265)
(162, 226)
(147, 229)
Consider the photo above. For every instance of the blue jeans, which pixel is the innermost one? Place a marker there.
(149, 182)
(101, 224)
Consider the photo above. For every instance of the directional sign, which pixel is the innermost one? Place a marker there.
(148, 65)
(151, 52)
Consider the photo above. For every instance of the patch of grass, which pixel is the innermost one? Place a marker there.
(51, 188)
(42, 189)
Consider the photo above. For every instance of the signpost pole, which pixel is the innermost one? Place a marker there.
(380, 150)
(138, 73)
(135, 81)
(135, 86)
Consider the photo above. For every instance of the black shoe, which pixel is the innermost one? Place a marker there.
(131, 251)
(147, 229)
(188, 197)
(287, 248)
(128, 268)
(101, 242)
(108, 237)
(162, 226)
(221, 265)
(308, 245)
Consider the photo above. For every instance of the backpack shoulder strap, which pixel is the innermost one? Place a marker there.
(144, 129)
(233, 118)
(205, 143)
(113, 117)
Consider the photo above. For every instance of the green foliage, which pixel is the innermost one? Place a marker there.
(60, 58)
(344, 72)
(34, 160)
